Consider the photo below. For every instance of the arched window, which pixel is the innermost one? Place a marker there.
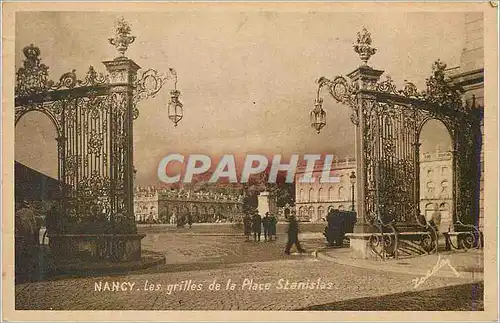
(430, 187)
(311, 213)
(301, 212)
(310, 197)
(330, 194)
(195, 209)
(331, 207)
(444, 186)
(320, 195)
(321, 213)
(341, 193)
(341, 207)
(301, 195)
(443, 207)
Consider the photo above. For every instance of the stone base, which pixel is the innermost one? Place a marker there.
(97, 247)
(358, 243)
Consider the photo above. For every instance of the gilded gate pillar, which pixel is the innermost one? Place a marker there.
(123, 72)
(364, 78)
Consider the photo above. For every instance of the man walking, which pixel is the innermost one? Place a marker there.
(293, 235)
(265, 224)
(256, 224)
(247, 226)
(272, 227)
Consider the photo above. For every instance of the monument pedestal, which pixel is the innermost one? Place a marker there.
(263, 203)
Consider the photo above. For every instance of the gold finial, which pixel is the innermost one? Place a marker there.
(122, 38)
(363, 46)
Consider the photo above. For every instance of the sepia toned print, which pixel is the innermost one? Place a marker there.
(212, 159)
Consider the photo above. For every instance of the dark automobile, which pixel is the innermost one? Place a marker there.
(339, 223)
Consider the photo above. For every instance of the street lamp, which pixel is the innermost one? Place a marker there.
(175, 112)
(318, 115)
(352, 179)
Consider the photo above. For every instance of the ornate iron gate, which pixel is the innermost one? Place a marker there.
(93, 118)
(388, 125)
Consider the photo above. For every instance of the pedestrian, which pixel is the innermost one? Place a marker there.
(293, 235)
(265, 224)
(435, 221)
(27, 237)
(51, 221)
(272, 226)
(190, 220)
(247, 227)
(256, 224)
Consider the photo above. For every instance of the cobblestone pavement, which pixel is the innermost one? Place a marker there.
(201, 260)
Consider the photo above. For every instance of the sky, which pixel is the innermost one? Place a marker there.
(247, 79)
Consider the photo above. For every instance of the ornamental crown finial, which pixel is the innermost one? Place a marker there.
(363, 46)
(122, 38)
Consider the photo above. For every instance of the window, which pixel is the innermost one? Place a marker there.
(444, 187)
(321, 213)
(430, 187)
(341, 193)
(310, 197)
(330, 194)
(320, 195)
(311, 213)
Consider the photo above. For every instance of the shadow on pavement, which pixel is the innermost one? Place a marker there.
(467, 297)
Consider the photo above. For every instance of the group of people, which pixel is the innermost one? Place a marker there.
(268, 223)
(256, 223)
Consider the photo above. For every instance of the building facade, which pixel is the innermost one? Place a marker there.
(202, 206)
(436, 180)
(167, 205)
(469, 77)
(146, 204)
(314, 200)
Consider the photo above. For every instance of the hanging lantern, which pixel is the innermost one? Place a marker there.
(318, 115)
(175, 112)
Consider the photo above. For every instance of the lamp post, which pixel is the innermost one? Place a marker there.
(352, 179)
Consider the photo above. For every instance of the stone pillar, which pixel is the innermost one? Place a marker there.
(123, 72)
(366, 78)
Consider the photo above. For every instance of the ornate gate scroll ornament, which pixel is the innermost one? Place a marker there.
(388, 123)
(93, 119)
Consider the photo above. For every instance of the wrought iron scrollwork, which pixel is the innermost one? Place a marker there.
(33, 76)
(343, 91)
(148, 84)
(385, 242)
